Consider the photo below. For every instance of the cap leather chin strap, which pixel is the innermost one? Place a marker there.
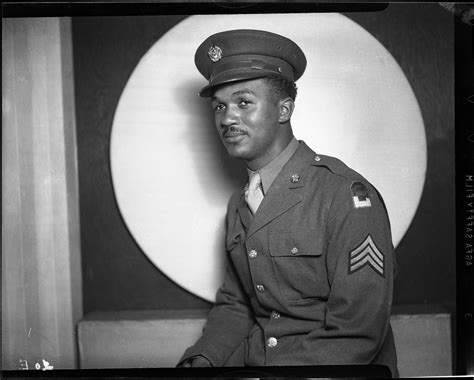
(225, 69)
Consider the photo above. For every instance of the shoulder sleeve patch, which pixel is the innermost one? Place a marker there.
(360, 195)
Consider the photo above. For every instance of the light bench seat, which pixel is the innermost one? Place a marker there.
(151, 339)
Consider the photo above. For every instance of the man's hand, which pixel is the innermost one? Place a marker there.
(197, 361)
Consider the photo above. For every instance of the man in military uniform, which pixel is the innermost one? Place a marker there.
(310, 266)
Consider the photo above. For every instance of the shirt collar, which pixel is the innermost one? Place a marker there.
(269, 172)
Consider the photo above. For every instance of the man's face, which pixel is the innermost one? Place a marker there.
(247, 119)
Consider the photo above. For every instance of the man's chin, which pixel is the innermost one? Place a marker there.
(237, 151)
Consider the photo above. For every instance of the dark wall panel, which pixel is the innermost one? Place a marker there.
(118, 276)
(421, 38)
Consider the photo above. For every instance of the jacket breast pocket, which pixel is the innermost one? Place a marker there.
(233, 239)
(299, 264)
(238, 257)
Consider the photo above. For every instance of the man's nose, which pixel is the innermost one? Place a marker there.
(229, 118)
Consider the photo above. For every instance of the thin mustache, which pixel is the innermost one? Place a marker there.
(232, 129)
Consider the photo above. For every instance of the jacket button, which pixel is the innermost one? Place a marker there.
(272, 342)
(294, 250)
(260, 288)
(275, 315)
(253, 254)
(317, 158)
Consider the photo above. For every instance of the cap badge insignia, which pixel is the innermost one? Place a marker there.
(215, 53)
(295, 178)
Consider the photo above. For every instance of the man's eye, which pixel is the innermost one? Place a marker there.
(219, 107)
(244, 103)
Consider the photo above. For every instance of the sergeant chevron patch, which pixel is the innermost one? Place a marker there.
(367, 253)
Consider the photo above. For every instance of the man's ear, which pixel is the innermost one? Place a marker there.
(286, 107)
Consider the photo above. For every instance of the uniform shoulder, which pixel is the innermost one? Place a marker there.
(337, 167)
(350, 182)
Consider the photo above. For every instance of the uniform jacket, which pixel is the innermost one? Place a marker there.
(309, 277)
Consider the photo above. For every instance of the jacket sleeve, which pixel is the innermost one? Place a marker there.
(228, 323)
(360, 264)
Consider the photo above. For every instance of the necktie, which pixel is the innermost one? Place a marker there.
(254, 193)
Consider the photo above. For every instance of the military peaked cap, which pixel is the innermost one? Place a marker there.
(245, 54)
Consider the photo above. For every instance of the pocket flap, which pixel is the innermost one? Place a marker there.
(309, 243)
(233, 239)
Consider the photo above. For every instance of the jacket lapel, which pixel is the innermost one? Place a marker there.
(283, 194)
(244, 212)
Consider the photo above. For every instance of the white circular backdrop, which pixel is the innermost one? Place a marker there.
(172, 178)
